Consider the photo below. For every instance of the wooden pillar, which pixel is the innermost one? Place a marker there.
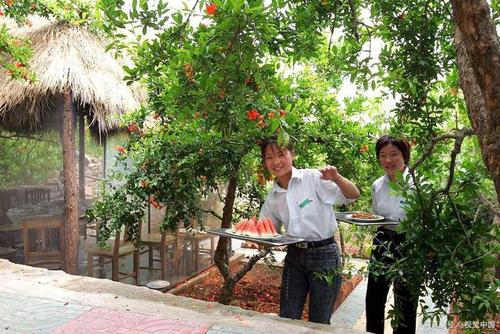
(70, 198)
(81, 149)
(104, 145)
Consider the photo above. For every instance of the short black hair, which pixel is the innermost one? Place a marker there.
(273, 140)
(402, 145)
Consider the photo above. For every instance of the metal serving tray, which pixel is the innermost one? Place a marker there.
(279, 241)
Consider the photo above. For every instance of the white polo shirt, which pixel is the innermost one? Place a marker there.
(386, 202)
(305, 208)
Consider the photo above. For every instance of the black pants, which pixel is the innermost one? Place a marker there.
(299, 279)
(386, 241)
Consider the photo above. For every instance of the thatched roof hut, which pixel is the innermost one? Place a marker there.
(75, 75)
(65, 57)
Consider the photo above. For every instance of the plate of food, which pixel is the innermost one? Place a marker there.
(365, 217)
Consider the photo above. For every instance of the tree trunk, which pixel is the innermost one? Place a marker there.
(478, 57)
(81, 155)
(70, 198)
(222, 253)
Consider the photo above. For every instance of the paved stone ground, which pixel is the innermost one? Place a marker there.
(351, 313)
(34, 300)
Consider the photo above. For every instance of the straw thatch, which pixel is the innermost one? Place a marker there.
(65, 57)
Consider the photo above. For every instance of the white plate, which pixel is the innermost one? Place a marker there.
(230, 231)
(375, 218)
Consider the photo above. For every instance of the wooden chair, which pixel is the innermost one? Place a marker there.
(167, 244)
(84, 226)
(37, 195)
(43, 239)
(10, 235)
(194, 239)
(116, 249)
(8, 253)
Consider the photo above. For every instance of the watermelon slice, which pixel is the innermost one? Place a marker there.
(240, 225)
(243, 226)
(251, 231)
(261, 228)
(270, 227)
(255, 228)
(253, 220)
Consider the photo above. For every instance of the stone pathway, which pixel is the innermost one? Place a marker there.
(351, 313)
(34, 300)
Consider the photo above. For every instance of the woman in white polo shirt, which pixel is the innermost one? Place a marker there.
(393, 155)
(301, 200)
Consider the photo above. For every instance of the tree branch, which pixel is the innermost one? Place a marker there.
(459, 137)
(456, 150)
(428, 152)
(354, 20)
(40, 139)
(332, 27)
(212, 212)
(253, 260)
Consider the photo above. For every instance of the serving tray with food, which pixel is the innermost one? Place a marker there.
(261, 231)
(363, 218)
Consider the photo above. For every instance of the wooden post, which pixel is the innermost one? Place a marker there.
(81, 160)
(70, 198)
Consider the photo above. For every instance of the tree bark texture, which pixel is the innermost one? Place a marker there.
(70, 194)
(222, 253)
(478, 58)
(81, 155)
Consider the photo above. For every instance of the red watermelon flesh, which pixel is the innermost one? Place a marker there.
(262, 222)
(270, 227)
(253, 220)
(239, 226)
(261, 228)
(251, 231)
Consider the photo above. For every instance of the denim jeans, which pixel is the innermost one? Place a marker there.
(378, 287)
(299, 280)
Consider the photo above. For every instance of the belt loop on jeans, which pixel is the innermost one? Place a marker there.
(313, 244)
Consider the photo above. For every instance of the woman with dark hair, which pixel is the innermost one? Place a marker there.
(393, 155)
(301, 201)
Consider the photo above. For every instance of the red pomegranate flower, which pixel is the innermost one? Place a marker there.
(261, 179)
(211, 8)
(155, 203)
(120, 149)
(253, 115)
(363, 149)
(133, 127)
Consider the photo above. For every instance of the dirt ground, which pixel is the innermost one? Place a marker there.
(259, 290)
